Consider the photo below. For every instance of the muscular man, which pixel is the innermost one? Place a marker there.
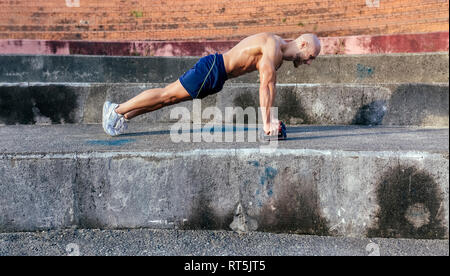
(264, 52)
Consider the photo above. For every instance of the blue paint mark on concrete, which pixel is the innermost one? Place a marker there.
(254, 163)
(363, 71)
(219, 128)
(266, 188)
(113, 142)
(269, 174)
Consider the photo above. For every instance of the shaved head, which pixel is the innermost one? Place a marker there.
(312, 41)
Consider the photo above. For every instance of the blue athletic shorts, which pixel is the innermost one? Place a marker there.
(206, 77)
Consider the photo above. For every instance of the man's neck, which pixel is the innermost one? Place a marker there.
(289, 50)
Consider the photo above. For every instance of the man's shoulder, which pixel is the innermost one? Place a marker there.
(271, 44)
(270, 37)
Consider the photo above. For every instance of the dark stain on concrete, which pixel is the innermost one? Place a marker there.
(371, 114)
(98, 48)
(290, 108)
(245, 100)
(15, 106)
(411, 104)
(20, 104)
(293, 208)
(203, 216)
(400, 189)
(87, 210)
(55, 45)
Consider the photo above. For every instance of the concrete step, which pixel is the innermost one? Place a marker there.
(414, 104)
(373, 69)
(351, 181)
(147, 242)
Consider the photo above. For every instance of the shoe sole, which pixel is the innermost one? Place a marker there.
(105, 115)
(105, 109)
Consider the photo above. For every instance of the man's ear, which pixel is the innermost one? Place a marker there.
(303, 44)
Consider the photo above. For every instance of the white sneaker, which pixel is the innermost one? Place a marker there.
(113, 123)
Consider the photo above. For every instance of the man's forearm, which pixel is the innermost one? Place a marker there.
(266, 99)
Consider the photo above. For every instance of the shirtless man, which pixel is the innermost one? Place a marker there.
(264, 52)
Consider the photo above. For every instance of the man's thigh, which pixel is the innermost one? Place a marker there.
(176, 91)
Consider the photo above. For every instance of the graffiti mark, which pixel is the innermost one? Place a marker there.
(363, 72)
(269, 174)
(266, 182)
(119, 142)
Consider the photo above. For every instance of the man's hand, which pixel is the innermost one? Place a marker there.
(272, 128)
(276, 130)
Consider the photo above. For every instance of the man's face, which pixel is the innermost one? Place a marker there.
(304, 56)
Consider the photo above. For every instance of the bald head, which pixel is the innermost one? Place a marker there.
(309, 42)
(304, 49)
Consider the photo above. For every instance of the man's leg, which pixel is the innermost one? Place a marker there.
(153, 99)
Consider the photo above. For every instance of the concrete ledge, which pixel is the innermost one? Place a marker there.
(362, 44)
(147, 242)
(323, 104)
(373, 69)
(329, 189)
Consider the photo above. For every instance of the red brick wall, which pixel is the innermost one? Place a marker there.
(215, 20)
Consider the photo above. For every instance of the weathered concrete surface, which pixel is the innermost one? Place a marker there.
(147, 242)
(388, 104)
(338, 181)
(70, 138)
(373, 69)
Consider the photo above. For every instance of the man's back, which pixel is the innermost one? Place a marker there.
(245, 57)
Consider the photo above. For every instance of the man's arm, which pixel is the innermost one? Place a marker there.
(267, 93)
(268, 78)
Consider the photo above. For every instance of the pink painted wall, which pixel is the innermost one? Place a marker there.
(402, 43)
